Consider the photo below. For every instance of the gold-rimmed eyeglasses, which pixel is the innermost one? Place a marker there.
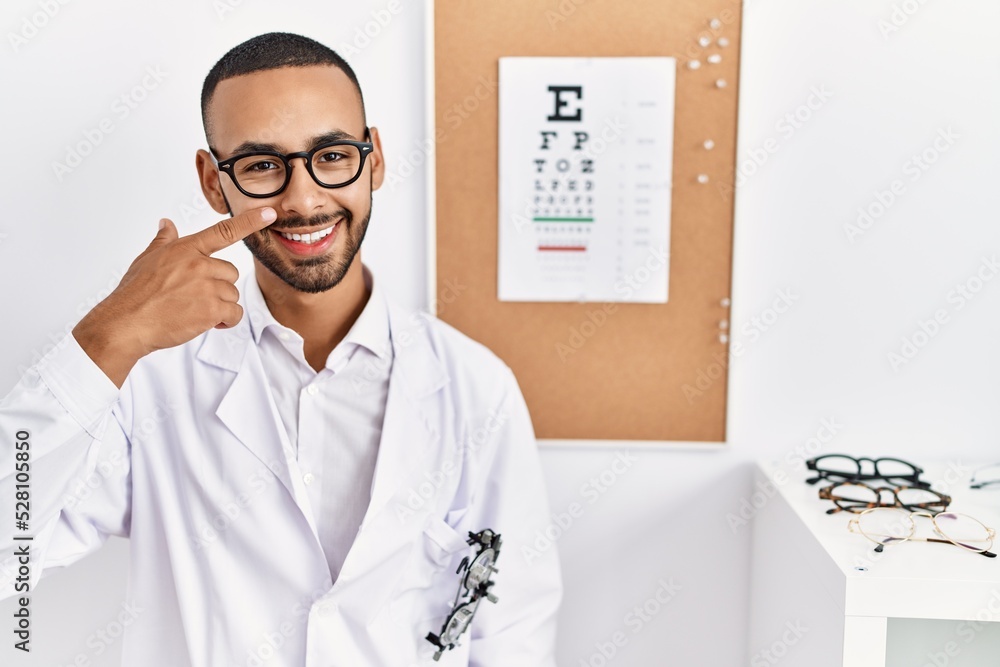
(889, 525)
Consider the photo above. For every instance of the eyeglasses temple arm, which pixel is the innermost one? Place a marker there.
(988, 554)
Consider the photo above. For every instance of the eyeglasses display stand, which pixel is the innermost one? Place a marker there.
(821, 595)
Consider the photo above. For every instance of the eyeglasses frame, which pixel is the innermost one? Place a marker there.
(365, 148)
(973, 484)
(912, 479)
(826, 493)
(854, 526)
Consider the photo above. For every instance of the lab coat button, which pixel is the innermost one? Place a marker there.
(308, 478)
(313, 390)
(283, 335)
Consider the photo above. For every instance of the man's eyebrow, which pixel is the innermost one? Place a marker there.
(326, 137)
(333, 135)
(254, 147)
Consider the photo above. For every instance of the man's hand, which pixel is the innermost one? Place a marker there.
(172, 292)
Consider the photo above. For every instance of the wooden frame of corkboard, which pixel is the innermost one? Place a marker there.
(648, 372)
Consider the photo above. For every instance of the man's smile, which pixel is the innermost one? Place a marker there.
(308, 242)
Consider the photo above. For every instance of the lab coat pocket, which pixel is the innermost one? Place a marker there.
(442, 540)
(427, 587)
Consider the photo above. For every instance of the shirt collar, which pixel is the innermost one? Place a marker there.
(370, 330)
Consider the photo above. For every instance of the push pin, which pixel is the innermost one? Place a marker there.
(703, 178)
(704, 41)
(720, 83)
(709, 144)
(715, 59)
(694, 64)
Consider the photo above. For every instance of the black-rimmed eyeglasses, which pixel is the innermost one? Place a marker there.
(840, 467)
(263, 174)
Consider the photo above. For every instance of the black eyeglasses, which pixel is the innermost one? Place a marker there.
(857, 497)
(263, 174)
(840, 467)
(477, 583)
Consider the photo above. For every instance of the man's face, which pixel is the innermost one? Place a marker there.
(289, 110)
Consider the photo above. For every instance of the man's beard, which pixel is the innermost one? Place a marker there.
(311, 274)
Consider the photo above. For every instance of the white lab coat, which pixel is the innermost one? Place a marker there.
(190, 462)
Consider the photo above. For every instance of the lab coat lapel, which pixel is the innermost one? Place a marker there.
(410, 430)
(247, 408)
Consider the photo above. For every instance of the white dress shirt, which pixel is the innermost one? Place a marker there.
(334, 417)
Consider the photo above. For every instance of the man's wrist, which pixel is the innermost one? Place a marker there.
(108, 346)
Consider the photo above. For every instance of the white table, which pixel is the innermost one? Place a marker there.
(821, 595)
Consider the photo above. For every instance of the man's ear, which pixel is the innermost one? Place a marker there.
(210, 179)
(375, 159)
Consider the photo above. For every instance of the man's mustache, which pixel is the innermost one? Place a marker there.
(298, 221)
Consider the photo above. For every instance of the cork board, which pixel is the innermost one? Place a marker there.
(653, 372)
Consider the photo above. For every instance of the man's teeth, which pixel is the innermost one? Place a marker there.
(308, 238)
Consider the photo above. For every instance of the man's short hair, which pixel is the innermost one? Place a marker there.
(273, 50)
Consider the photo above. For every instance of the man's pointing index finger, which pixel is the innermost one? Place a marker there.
(227, 232)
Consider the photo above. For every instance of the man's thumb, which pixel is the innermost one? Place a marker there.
(167, 231)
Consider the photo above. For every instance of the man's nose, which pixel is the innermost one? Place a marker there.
(302, 196)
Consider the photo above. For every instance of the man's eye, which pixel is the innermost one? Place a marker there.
(250, 166)
(262, 165)
(330, 156)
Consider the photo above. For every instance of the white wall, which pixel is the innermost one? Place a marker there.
(825, 359)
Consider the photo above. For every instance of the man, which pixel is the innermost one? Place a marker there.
(299, 462)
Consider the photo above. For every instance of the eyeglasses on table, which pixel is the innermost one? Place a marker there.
(841, 467)
(891, 525)
(856, 497)
(986, 476)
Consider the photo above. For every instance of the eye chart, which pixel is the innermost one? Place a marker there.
(585, 158)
